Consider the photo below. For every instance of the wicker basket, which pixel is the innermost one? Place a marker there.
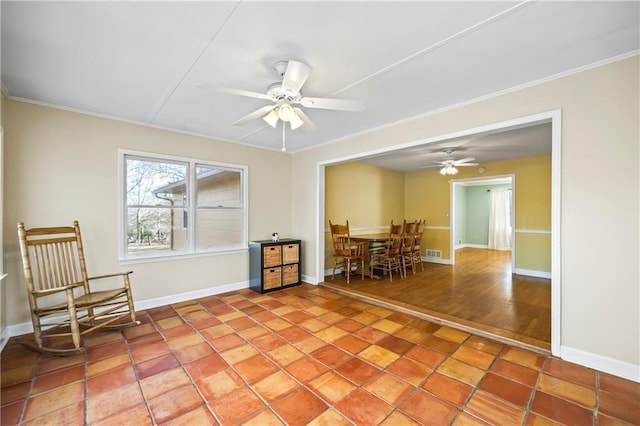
(272, 278)
(290, 253)
(290, 274)
(272, 256)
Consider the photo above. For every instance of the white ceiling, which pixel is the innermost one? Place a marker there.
(142, 61)
(504, 144)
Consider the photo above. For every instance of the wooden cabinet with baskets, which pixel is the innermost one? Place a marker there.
(274, 264)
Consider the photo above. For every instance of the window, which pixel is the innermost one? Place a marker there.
(177, 206)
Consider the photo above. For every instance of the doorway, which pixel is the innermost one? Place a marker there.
(471, 213)
(552, 117)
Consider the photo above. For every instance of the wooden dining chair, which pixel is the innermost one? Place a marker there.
(408, 242)
(380, 246)
(409, 227)
(63, 306)
(417, 241)
(390, 259)
(345, 252)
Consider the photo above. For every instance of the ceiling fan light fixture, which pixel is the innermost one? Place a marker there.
(448, 170)
(285, 112)
(272, 118)
(295, 121)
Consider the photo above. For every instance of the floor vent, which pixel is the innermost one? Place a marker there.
(434, 253)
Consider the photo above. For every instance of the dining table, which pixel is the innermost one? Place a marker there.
(372, 242)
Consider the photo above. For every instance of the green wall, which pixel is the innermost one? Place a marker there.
(460, 219)
(477, 208)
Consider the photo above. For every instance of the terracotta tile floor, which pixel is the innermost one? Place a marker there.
(305, 355)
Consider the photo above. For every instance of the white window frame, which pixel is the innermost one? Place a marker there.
(125, 258)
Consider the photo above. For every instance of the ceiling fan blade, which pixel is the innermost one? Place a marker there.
(254, 115)
(465, 164)
(308, 124)
(329, 103)
(295, 76)
(235, 91)
(464, 160)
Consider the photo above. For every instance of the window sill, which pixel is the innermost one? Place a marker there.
(172, 257)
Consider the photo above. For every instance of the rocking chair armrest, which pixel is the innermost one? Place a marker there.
(117, 274)
(50, 291)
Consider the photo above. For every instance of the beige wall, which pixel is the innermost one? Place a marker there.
(366, 195)
(600, 313)
(62, 166)
(369, 197)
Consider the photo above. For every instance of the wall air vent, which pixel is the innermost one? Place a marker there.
(434, 253)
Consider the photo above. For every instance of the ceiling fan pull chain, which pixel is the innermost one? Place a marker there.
(284, 126)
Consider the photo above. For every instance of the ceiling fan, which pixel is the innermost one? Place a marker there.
(286, 95)
(449, 164)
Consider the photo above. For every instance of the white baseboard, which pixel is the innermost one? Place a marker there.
(189, 295)
(4, 334)
(27, 327)
(601, 363)
(436, 260)
(466, 245)
(309, 279)
(328, 272)
(20, 329)
(527, 272)
(532, 273)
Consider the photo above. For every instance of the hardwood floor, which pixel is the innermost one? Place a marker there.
(478, 293)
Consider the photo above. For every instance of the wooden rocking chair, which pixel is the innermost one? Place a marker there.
(61, 301)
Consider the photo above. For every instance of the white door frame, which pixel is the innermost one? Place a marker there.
(452, 215)
(555, 117)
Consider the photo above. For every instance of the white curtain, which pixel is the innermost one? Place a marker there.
(500, 220)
